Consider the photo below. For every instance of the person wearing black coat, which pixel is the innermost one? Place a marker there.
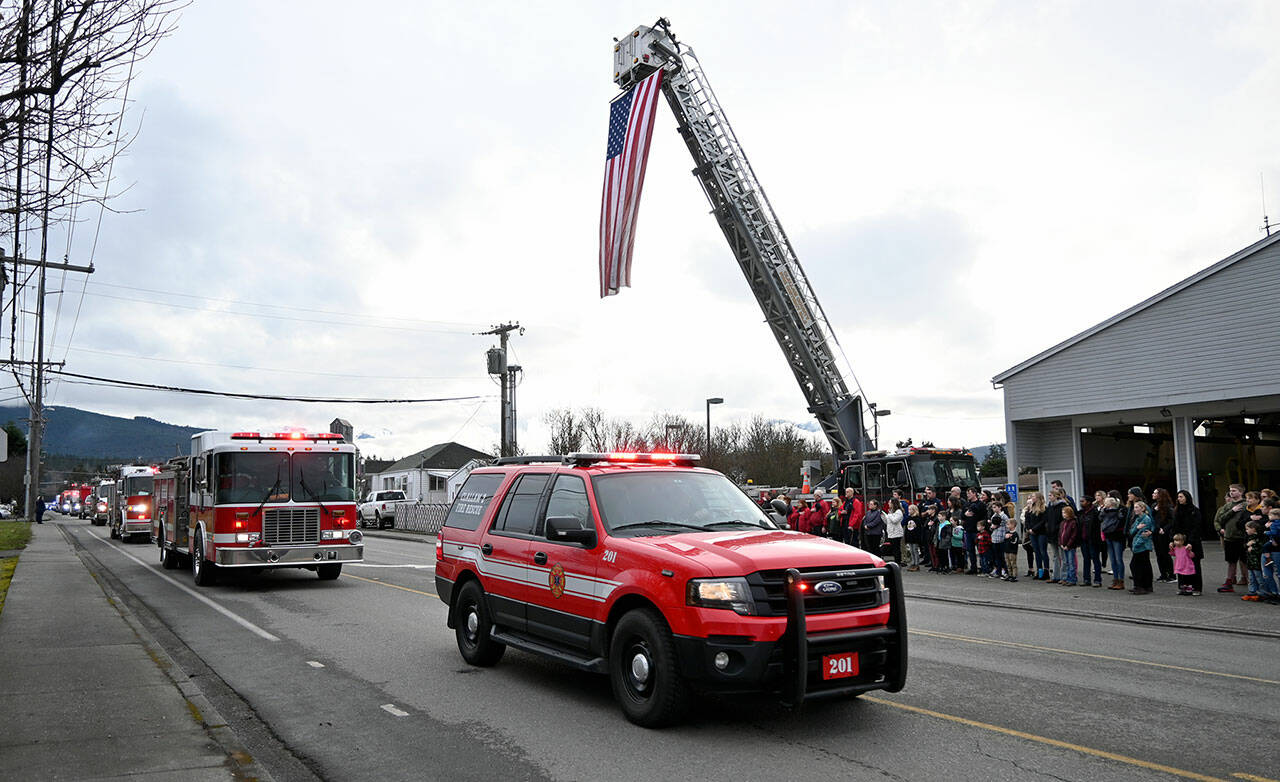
(1091, 541)
(1052, 523)
(1034, 519)
(1187, 522)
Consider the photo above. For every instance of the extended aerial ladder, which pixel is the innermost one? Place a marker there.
(752, 228)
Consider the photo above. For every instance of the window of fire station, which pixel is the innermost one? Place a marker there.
(252, 478)
(569, 498)
(323, 477)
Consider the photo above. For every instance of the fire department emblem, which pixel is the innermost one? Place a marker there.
(556, 580)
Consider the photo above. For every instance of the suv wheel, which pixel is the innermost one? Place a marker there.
(473, 626)
(643, 670)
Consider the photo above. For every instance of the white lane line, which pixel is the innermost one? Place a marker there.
(411, 567)
(315, 664)
(240, 620)
(391, 709)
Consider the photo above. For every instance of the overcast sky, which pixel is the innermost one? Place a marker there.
(965, 184)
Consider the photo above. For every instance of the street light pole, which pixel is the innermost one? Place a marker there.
(715, 400)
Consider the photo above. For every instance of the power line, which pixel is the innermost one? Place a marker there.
(107, 381)
(184, 362)
(267, 316)
(312, 310)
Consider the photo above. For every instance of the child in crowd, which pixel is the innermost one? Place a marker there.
(1068, 540)
(944, 544)
(1184, 564)
(998, 521)
(914, 531)
(1260, 587)
(984, 547)
(1011, 550)
(957, 542)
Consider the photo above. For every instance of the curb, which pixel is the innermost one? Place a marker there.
(202, 710)
(1135, 620)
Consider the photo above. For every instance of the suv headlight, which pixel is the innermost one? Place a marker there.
(731, 593)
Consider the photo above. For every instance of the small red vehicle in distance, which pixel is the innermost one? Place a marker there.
(666, 578)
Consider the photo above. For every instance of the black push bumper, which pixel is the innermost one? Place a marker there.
(792, 665)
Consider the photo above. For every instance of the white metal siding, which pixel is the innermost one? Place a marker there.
(1217, 339)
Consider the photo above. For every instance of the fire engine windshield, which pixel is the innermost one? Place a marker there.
(137, 485)
(666, 502)
(944, 473)
(324, 477)
(252, 478)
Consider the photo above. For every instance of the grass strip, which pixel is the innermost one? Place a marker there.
(6, 575)
(14, 534)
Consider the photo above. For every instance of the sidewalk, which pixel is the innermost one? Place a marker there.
(1225, 613)
(84, 691)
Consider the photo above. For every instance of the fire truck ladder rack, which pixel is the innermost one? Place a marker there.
(759, 244)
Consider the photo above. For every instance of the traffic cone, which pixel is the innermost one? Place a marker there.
(805, 488)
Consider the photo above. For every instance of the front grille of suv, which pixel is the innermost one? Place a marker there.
(769, 588)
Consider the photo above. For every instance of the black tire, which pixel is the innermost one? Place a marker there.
(644, 671)
(115, 533)
(330, 571)
(472, 626)
(203, 571)
(168, 557)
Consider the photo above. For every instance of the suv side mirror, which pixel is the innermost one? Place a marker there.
(568, 529)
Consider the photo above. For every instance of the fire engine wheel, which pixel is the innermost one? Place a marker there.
(644, 671)
(168, 557)
(115, 533)
(472, 626)
(203, 571)
(329, 571)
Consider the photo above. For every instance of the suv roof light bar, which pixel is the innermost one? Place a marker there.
(528, 460)
(677, 459)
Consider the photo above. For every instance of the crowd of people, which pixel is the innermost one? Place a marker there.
(978, 532)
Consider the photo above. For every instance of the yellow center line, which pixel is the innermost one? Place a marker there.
(393, 586)
(1098, 753)
(1093, 655)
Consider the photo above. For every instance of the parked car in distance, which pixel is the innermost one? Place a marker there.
(379, 508)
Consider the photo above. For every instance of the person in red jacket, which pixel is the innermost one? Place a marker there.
(851, 513)
(812, 519)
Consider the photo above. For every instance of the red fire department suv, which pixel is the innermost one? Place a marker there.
(667, 578)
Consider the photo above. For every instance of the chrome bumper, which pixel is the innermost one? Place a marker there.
(137, 527)
(288, 556)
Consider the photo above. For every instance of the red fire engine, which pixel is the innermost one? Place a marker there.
(133, 502)
(259, 500)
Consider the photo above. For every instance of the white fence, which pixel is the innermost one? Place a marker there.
(425, 517)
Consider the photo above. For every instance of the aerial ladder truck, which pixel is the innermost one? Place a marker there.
(769, 263)
(754, 233)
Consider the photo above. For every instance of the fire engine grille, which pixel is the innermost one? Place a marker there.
(769, 589)
(290, 525)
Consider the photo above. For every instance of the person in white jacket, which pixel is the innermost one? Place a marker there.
(894, 534)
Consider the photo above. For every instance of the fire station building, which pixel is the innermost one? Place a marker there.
(1181, 391)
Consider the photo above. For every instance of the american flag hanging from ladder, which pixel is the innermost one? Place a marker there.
(630, 130)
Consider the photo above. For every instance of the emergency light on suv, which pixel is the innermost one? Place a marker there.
(665, 577)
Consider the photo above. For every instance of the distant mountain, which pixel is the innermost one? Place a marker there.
(72, 432)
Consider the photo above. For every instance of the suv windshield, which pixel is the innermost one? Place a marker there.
(666, 502)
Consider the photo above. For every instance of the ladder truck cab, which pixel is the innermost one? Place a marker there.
(266, 500)
(133, 502)
(877, 474)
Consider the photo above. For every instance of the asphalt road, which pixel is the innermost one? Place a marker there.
(360, 679)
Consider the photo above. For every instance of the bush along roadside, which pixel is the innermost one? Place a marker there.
(13, 537)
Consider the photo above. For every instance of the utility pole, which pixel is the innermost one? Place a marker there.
(35, 437)
(506, 372)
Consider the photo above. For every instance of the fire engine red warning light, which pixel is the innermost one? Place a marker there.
(246, 436)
